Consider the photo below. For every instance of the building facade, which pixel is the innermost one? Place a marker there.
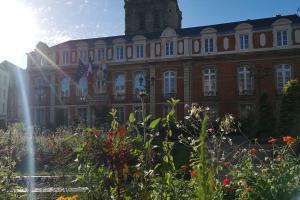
(11, 100)
(4, 84)
(225, 67)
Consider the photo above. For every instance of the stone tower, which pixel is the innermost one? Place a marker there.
(143, 16)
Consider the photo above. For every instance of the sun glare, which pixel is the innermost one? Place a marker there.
(18, 34)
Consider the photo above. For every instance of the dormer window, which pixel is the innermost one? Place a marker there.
(83, 55)
(120, 53)
(139, 51)
(209, 45)
(244, 41)
(282, 38)
(65, 57)
(101, 54)
(169, 48)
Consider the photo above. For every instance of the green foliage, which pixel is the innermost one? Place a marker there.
(266, 122)
(289, 122)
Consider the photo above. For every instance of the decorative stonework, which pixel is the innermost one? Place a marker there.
(196, 46)
(226, 43)
(262, 39)
(129, 52)
(157, 49)
(109, 54)
(180, 47)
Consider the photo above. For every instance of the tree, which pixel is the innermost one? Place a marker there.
(289, 121)
(266, 119)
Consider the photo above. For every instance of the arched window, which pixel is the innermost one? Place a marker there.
(139, 82)
(169, 84)
(65, 87)
(82, 88)
(120, 84)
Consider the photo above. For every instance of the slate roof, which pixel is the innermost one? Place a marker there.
(257, 24)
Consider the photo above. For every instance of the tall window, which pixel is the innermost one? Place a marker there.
(65, 87)
(245, 80)
(65, 56)
(139, 51)
(39, 87)
(246, 110)
(284, 74)
(120, 53)
(82, 88)
(169, 48)
(282, 38)
(139, 82)
(120, 84)
(83, 55)
(169, 84)
(101, 54)
(244, 41)
(209, 82)
(209, 45)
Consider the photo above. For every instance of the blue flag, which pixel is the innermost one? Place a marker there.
(80, 71)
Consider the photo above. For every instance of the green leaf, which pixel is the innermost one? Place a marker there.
(154, 123)
(131, 118)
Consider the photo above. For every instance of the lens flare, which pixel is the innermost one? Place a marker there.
(18, 33)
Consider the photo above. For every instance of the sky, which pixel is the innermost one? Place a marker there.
(26, 22)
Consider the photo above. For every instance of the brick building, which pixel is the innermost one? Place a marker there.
(224, 66)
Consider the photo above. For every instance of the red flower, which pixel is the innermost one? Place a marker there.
(121, 132)
(289, 139)
(252, 150)
(193, 173)
(226, 181)
(249, 189)
(272, 140)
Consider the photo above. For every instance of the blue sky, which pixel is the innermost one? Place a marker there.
(56, 21)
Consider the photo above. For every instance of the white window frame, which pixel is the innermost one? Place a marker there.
(245, 80)
(101, 53)
(119, 92)
(65, 57)
(244, 40)
(209, 45)
(140, 51)
(169, 90)
(169, 48)
(119, 53)
(282, 70)
(280, 42)
(210, 84)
